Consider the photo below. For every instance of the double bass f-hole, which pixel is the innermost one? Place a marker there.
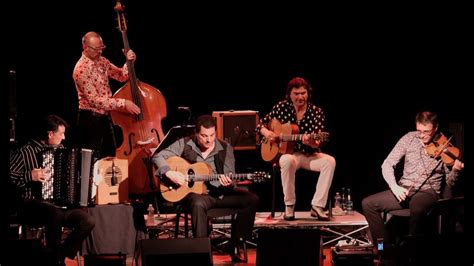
(142, 132)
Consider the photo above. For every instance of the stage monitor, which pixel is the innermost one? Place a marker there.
(176, 251)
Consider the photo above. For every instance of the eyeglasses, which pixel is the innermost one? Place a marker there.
(98, 48)
(424, 132)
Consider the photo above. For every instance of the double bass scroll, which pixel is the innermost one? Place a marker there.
(141, 132)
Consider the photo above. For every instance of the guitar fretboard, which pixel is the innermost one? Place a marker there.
(296, 137)
(214, 177)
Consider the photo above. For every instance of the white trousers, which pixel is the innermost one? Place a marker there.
(318, 162)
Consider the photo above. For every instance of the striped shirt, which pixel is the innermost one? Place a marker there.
(22, 162)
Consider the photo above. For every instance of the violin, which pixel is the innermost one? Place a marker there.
(442, 147)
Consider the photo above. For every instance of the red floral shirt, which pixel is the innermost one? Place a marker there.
(92, 84)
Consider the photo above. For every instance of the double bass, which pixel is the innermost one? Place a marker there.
(142, 132)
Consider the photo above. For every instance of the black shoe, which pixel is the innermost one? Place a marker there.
(319, 213)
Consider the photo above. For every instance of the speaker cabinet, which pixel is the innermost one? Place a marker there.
(237, 128)
(176, 251)
(113, 187)
(289, 246)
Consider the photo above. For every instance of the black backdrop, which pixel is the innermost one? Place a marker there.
(371, 71)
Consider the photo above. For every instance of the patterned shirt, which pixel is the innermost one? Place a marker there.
(92, 84)
(312, 122)
(418, 165)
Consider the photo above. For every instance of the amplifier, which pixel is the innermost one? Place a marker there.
(237, 128)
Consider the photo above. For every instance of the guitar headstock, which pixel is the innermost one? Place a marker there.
(260, 176)
(320, 136)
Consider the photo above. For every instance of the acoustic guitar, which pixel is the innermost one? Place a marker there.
(287, 135)
(196, 174)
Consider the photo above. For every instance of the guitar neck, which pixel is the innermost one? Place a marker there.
(322, 136)
(215, 177)
(294, 137)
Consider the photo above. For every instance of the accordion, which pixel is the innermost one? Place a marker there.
(70, 184)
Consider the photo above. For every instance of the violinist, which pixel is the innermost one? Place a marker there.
(91, 77)
(420, 186)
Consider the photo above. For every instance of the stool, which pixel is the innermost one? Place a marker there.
(276, 170)
(180, 211)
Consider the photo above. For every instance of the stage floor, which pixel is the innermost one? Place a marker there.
(343, 227)
(304, 219)
(352, 228)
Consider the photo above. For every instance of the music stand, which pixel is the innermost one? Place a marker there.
(174, 134)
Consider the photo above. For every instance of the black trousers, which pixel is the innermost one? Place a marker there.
(95, 131)
(419, 204)
(41, 213)
(246, 202)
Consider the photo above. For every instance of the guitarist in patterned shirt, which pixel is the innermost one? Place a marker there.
(309, 119)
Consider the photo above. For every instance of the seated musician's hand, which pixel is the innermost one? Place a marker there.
(400, 193)
(268, 134)
(176, 177)
(310, 141)
(225, 180)
(41, 174)
(458, 165)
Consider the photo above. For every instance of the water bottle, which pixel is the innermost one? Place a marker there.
(343, 199)
(151, 213)
(338, 201)
(349, 203)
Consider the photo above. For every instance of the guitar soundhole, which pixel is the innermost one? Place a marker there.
(190, 182)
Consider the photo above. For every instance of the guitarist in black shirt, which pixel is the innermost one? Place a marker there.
(309, 120)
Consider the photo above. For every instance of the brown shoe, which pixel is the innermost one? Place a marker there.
(319, 213)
